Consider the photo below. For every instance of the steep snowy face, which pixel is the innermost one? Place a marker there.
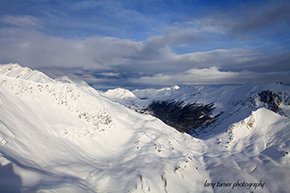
(61, 136)
(253, 146)
(65, 79)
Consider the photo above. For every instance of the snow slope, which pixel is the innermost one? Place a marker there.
(60, 136)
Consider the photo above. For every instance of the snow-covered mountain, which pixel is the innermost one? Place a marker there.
(64, 136)
(197, 109)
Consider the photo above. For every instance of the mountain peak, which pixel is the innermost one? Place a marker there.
(9, 66)
(14, 70)
(175, 87)
(119, 93)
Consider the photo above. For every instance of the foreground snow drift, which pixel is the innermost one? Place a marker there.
(61, 136)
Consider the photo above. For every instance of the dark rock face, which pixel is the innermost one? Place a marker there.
(195, 117)
(271, 99)
(183, 117)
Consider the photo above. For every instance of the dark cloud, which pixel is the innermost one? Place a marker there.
(115, 62)
(36, 50)
(213, 76)
(263, 63)
(249, 43)
(270, 17)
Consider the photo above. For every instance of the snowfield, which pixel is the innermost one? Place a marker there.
(64, 136)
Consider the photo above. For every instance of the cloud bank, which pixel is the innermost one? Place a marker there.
(249, 42)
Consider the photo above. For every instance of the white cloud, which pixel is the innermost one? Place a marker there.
(118, 57)
(21, 21)
(36, 50)
(110, 74)
(213, 76)
(192, 76)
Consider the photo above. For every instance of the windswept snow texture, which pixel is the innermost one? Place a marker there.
(64, 136)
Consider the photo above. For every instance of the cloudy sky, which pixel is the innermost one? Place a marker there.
(149, 43)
